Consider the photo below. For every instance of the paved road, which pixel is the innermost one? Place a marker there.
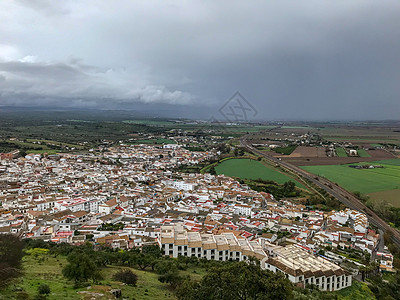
(331, 188)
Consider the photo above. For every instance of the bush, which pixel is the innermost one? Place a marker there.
(44, 289)
(126, 276)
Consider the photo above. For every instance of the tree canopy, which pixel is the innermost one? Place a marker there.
(239, 281)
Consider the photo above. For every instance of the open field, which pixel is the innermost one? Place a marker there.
(374, 155)
(251, 169)
(391, 162)
(340, 152)
(55, 143)
(363, 153)
(389, 196)
(379, 183)
(155, 141)
(48, 151)
(285, 150)
(303, 151)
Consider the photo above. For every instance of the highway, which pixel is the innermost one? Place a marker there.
(331, 188)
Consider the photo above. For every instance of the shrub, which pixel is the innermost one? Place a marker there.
(44, 289)
(126, 276)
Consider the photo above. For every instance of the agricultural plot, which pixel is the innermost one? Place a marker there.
(251, 169)
(284, 150)
(303, 151)
(363, 153)
(390, 162)
(377, 183)
(340, 152)
(390, 196)
(54, 143)
(155, 141)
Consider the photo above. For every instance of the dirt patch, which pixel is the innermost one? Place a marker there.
(390, 196)
(303, 151)
(380, 154)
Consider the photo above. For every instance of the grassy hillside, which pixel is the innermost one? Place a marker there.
(47, 269)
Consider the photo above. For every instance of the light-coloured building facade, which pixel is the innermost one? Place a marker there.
(175, 241)
(299, 266)
(303, 268)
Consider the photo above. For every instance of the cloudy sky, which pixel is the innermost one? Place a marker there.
(309, 59)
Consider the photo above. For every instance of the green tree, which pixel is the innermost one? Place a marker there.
(289, 187)
(237, 281)
(212, 171)
(81, 267)
(10, 257)
(169, 273)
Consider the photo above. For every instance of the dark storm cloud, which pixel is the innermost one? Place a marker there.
(296, 60)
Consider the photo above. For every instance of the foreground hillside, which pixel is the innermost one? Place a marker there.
(40, 267)
(48, 269)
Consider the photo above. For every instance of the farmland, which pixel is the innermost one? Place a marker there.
(155, 141)
(340, 152)
(378, 182)
(363, 153)
(251, 169)
(285, 150)
(303, 151)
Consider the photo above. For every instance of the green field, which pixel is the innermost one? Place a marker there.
(363, 153)
(285, 150)
(390, 162)
(366, 181)
(155, 141)
(340, 152)
(48, 151)
(56, 143)
(252, 169)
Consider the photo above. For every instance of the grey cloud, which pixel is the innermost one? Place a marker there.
(38, 80)
(309, 59)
